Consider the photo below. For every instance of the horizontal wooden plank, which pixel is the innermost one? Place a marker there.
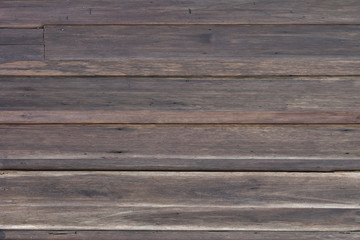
(21, 45)
(201, 42)
(184, 67)
(175, 235)
(37, 13)
(180, 100)
(82, 217)
(180, 201)
(21, 36)
(181, 189)
(10, 53)
(181, 147)
(175, 116)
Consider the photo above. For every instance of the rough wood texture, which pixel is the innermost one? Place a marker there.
(21, 52)
(201, 42)
(191, 218)
(175, 116)
(179, 119)
(181, 189)
(37, 13)
(187, 147)
(180, 201)
(175, 235)
(21, 44)
(180, 100)
(183, 67)
(227, 94)
(21, 36)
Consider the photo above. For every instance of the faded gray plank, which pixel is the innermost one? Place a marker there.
(82, 217)
(180, 201)
(37, 13)
(180, 100)
(183, 67)
(175, 116)
(201, 42)
(21, 45)
(21, 36)
(10, 53)
(181, 189)
(181, 147)
(261, 94)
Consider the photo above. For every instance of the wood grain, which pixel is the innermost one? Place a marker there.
(175, 116)
(10, 53)
(140, 119)
(175, 235)
(184, 67)
(198, 218)
(201, 42)
(181, 189)
(21, 44)
(181, 147)
(180, 100)
(37, 13)
(21, 36)
(180, 201)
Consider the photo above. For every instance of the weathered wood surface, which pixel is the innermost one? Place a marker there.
(140, 116)
(175, 116)
(21, 52)
(37, 13)
(181, 189)
(201, 42)
(175, 235)
(180, 100)
(180, 201)
(181, 147)
(21, 36)
(21, 45)
(179, 218)
(184, 67)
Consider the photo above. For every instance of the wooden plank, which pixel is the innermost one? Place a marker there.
(184, 67)
(180, 100)
(175, 116)
(181, 147)
(201, 42)
(82, 217)
(37, 13)
(21, 36)
(21, 45)
(180, 201)
(175, 235)
(10, 53)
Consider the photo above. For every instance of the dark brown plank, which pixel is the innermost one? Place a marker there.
(180, 100)
(180, 201)
(201, 42)
(181, 147)
(21, 44)
(183, 67)
(175, 235)
(37, 13)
